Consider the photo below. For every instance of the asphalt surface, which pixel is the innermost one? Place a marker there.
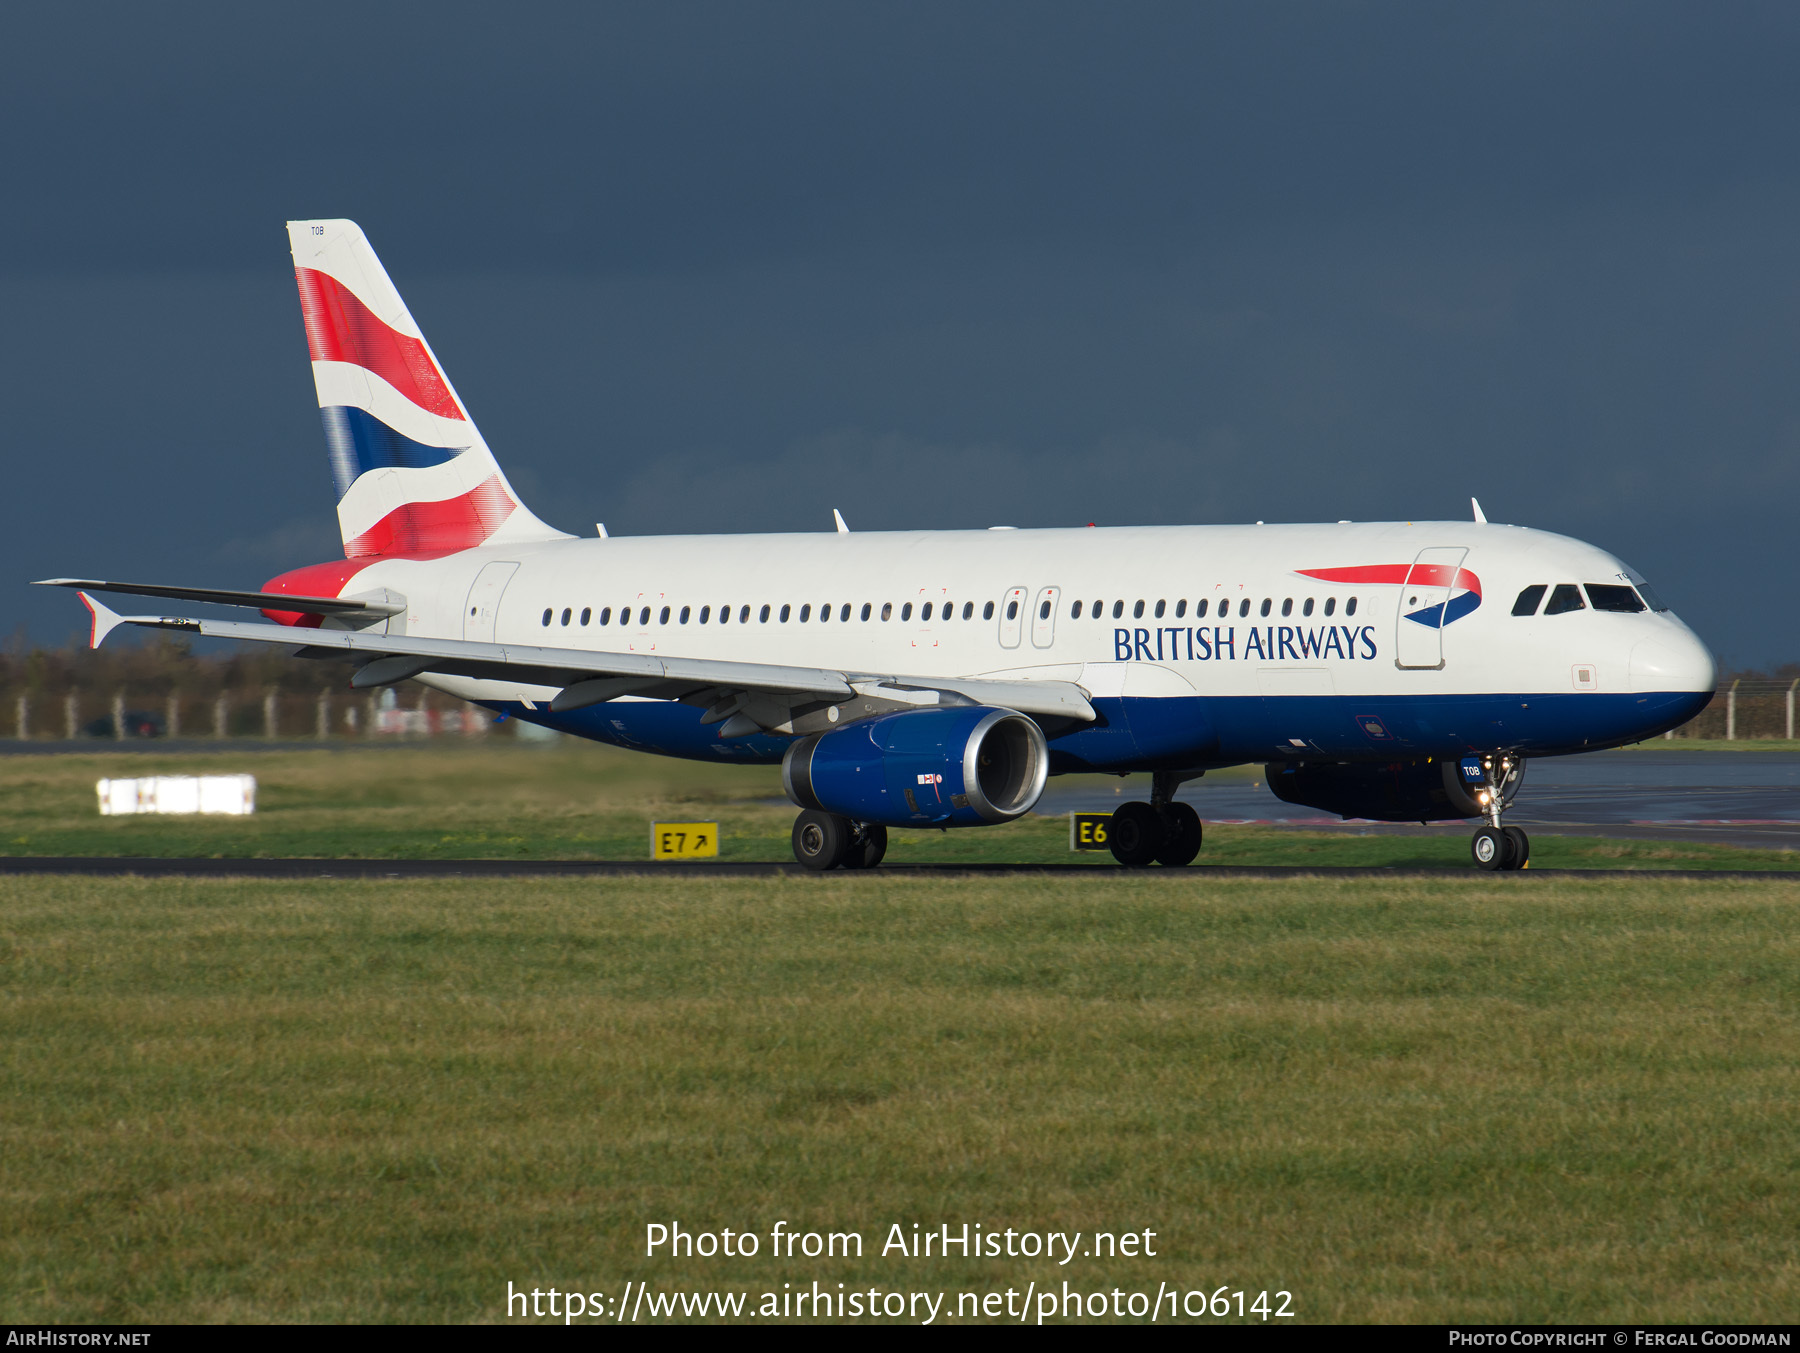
(146, 867)
(1725, 798)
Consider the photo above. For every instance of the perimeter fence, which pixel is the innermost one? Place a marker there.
(163, 689)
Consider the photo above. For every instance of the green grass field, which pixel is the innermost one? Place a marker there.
(593, 802)
(1491, 1099)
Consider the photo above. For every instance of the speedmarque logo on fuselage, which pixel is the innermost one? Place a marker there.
(1464, 586)
(1300, 643)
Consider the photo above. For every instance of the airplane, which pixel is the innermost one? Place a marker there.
(1394, 671)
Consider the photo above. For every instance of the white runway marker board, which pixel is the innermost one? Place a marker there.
(228, 795)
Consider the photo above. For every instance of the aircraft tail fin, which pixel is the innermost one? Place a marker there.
(412, 473)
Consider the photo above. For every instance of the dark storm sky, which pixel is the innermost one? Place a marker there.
(724, 267)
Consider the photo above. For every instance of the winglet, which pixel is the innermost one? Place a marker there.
(838, 517)
(106, 620)
(1480, 516)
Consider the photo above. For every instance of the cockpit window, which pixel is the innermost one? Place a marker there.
(1614, 597)
(1566, 597)
(1527, 603)
(1654, 602)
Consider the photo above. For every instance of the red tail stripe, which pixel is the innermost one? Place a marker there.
(340, 328)
(459, 523)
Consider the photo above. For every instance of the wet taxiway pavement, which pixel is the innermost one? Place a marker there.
(1729, 798)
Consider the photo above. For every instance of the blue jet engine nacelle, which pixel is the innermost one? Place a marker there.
(965, 766)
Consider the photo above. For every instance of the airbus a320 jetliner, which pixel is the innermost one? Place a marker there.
(1399, 672)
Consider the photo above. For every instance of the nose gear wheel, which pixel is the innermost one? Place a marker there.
(1495, 847)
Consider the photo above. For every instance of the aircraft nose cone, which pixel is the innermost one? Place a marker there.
(1672, 663)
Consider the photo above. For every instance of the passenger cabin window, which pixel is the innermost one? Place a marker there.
(1330, 605)
(1614, 597)
(546, 618)
(968, 609)
(1012, 610)
(906, 611)
(1265, 606)
(1566, 597)
(987, 611)
(644, 616)
(1044, 611)
(762, 616)
(925, 613)
(606, 615)
(887, 610)
(686, 611)
(1159, 609)
(844, 615)
(1137, 612)
(786, 611)
(705, 614)
(1530, 598)
(744, 615)
(1244, 607)
(1075, 611)
(565, 615)
(587, 614)
(805, 613)
(1350, 606)
(1118, 609)
(1307, 609)
(1287, 606)
(865, 610)
(1180, 609)
(1200, 609)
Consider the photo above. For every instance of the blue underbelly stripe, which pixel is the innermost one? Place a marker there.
(1190, 731)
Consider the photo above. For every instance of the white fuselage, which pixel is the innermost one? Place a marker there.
(1171, 621)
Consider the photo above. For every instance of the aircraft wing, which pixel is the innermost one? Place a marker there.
(747, 696)
(218, 596)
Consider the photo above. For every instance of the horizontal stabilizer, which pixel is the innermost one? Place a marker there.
(219, 596)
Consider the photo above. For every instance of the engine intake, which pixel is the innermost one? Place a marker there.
(968, 766)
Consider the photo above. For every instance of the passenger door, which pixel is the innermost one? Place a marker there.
(483, 608)
(1419, 624)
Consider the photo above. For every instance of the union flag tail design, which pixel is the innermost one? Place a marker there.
(413, 475)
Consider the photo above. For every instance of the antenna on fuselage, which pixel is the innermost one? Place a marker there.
(1480, 516)
(838, 517)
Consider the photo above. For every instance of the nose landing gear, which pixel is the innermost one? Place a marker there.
(1495, 847)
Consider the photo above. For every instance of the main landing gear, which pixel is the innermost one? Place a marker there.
(1161, 831)
(1494, 846)
(829, 841)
